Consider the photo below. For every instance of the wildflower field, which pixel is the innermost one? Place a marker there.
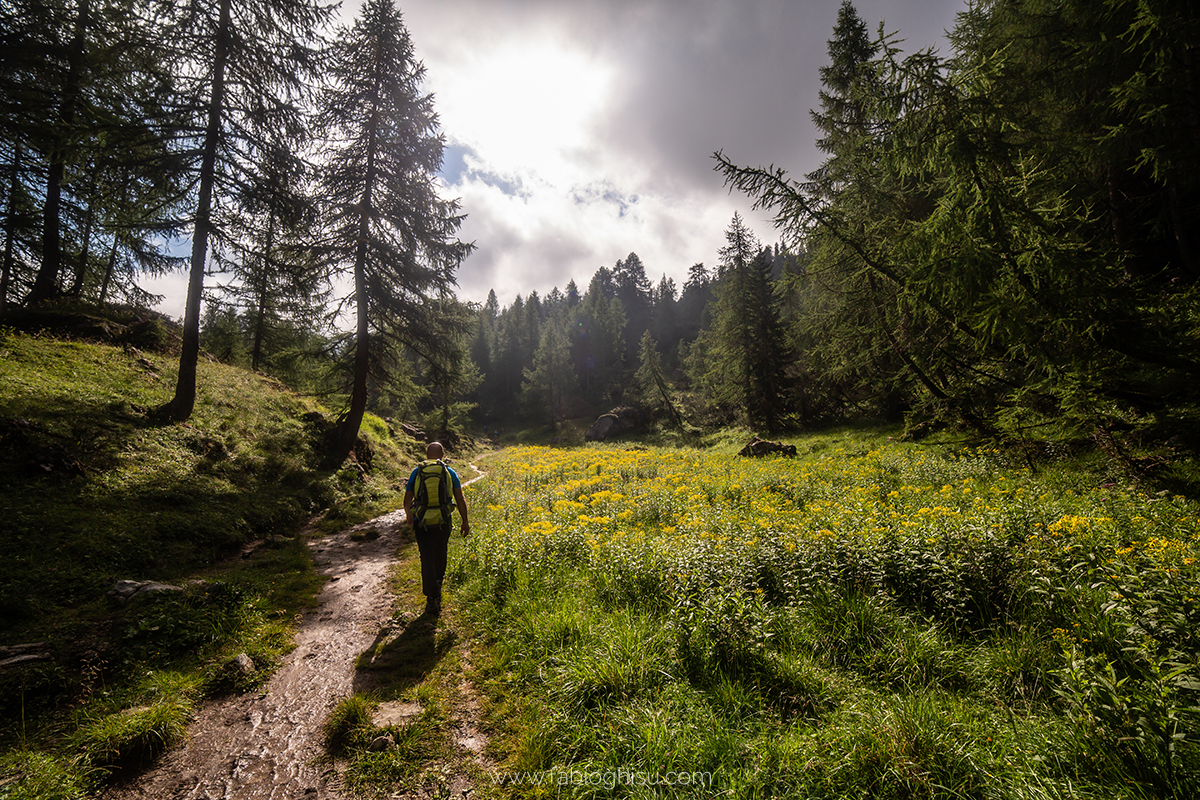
(868, 619)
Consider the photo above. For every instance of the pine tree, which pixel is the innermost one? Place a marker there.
(388, 227)
(242, 69)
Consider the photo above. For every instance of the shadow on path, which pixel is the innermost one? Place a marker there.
(399, 659)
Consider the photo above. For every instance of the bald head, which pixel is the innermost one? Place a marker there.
(434, 450)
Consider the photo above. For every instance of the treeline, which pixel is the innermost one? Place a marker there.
(1002, 239)
(710, 352)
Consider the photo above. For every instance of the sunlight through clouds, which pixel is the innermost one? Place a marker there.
(524, 109)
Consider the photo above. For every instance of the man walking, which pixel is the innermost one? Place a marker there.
(430, 488)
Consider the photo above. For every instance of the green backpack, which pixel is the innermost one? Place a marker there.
(433, 500)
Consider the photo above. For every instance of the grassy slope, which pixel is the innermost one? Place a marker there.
(94, 490)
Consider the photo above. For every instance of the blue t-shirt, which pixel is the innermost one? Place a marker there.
(411, 486)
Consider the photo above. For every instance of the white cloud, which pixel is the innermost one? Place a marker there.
(525, 110)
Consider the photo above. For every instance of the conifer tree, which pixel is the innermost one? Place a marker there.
(276, 279)
(73, 58)
(389, 229)
(451, 373)
(242, 69)
(483, 350)
(552, 378)
(746, 349)
(653, 389)
(601, 354)
(694, 302)
(665, 314)
(87, 113)
(633, 289)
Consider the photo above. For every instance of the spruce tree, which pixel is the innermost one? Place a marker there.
(746, 353)
(388, 228)
(551, 379)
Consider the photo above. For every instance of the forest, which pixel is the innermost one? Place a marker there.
(1000, 239)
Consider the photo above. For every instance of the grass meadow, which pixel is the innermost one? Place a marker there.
(872, 618)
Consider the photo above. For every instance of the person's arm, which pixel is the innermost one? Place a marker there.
(408, 501)
(409, 493)
(461, 500)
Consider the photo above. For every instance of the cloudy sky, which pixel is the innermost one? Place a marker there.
(579, 131)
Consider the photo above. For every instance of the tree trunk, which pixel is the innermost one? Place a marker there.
(10, 228)
(350, 422)
(260, 322)
(84, 254)
(181, 406)
(108, 270)
(45, 285)
(446, 407)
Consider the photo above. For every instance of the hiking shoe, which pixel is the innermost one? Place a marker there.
(433, 605)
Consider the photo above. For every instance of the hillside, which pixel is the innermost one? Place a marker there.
(95, 490)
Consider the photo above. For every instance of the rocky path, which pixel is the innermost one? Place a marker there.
(268, 744)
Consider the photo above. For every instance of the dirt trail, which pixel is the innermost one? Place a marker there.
(268, 744)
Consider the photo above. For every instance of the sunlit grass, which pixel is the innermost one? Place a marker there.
(871, 618)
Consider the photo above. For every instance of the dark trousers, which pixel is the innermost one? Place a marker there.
(432, 543)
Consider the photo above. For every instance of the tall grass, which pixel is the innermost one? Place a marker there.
(871, 618)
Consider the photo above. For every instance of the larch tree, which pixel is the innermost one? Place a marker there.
(389, 229)
(243, 69)
(60, 137)
(30, 44)
(83, 91)
(277, 280)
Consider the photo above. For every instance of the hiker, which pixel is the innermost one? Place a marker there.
(431, 485)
